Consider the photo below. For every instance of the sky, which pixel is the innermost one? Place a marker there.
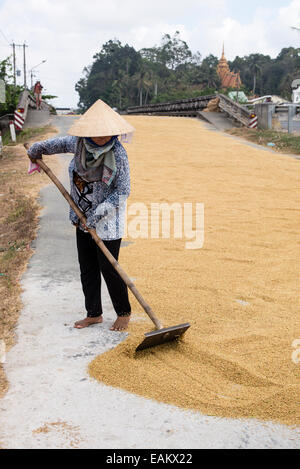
(67, 33)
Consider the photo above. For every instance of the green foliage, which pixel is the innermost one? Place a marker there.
(24, 135)
(182, 94)
(262, 75)
(124, 77)
(11, 93)
(48, 96)
(284, 142)
(113, 77)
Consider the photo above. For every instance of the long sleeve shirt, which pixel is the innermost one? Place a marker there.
(107, 208)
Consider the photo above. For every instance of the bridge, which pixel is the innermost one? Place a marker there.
(26, 114)
(230, 112)
(225, 114)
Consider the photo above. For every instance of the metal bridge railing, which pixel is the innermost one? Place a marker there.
(235, 110)
(188, 107)
(191, 107)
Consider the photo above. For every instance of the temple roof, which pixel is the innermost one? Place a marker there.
(229, 79)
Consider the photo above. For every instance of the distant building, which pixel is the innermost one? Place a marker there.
(229, 79)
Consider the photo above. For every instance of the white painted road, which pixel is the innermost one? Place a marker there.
(53, 403)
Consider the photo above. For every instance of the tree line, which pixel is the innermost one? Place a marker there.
(123, 76)
(263, 75)
(12, 92)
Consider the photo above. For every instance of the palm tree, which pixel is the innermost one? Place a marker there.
(143, 82)
(257, 70)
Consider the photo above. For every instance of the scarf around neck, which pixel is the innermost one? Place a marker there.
(96, 163)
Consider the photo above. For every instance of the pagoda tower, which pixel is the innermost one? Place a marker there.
(229, 79)
(223, 67)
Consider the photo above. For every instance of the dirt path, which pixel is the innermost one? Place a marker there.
(53, 403)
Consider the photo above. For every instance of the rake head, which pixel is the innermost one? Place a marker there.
(162, 336)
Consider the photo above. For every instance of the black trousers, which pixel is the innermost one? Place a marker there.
(92, 263)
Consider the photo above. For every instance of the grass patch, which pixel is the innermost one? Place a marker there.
(11, 250)
(284, 142)
(17, 229)
(16, 214)
(16, 232)
(25, 135)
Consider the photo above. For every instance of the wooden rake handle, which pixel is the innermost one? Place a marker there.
(100, 243)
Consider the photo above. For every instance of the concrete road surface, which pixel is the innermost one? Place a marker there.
(53, 403)
(37, 118)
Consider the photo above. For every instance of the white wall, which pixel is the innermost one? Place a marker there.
(296, 95)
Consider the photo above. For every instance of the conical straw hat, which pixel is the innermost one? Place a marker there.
(100, 120)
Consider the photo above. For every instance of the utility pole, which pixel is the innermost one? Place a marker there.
(14, 62)
(24, 61)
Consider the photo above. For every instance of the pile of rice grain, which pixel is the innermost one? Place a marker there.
(240, 291)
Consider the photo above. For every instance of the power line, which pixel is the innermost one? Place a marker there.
(14, 45)
(4, 36)
(24, 61)
(3, 44)
(14, 63)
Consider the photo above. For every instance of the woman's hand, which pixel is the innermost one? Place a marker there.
(82, 225)
(33, 160)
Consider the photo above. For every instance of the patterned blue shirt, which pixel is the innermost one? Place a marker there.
(108, 203)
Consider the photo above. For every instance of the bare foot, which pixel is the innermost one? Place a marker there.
(86, 322)
(120, 324)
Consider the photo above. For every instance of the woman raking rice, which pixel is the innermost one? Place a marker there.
(100, 184)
